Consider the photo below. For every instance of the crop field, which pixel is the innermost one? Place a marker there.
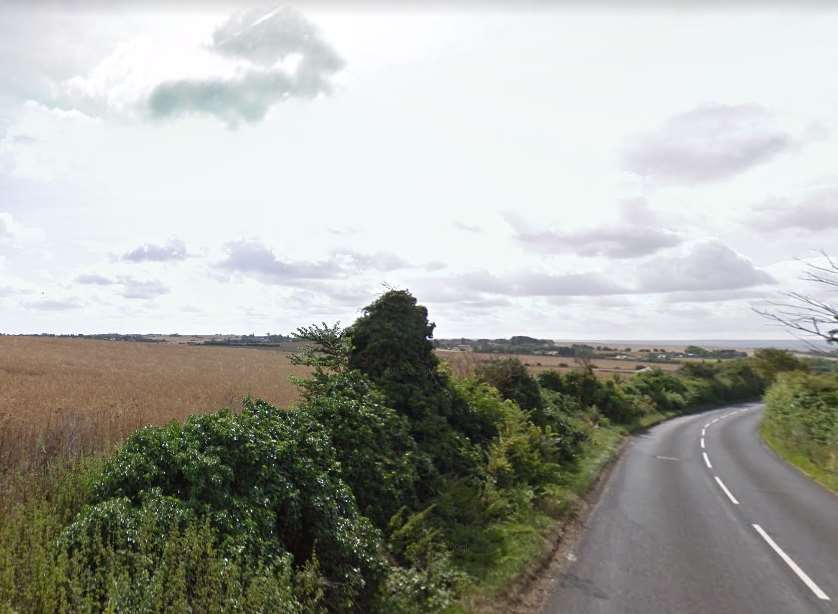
(64, 397)
(464, 363)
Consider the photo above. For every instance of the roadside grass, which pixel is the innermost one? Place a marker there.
(798, 458)
(531, 538)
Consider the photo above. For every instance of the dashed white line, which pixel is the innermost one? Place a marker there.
(706, 426)
(714, 420)
(703, 431)
(794, 567)
(726, 491)
(702, 443)
(707, 460)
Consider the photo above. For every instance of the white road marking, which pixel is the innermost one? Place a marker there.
(707, 425)
(714, 420)
(702, 443)
(727, 492)
(800, 573)
(703, 431)
(707, 460)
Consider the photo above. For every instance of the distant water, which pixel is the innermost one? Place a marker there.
(732, 344)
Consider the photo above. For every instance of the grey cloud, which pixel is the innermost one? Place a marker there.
(708, 266)
(615, 241)
(713, 296)
(709, 143)
(173, 250)
(254, 258)
(264, 38)
(145, 290)
(268, 37)
(95, 280)
(54, 304)
(818, 210)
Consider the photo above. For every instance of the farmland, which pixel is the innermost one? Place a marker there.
(69, 397)
(464, 363)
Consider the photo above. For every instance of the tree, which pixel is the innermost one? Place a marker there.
(769, 362)
(391, 344)
(813, 317)
(513, 381)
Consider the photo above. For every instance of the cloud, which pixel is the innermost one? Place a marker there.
(526, 283)
(267, 41)
(473, 228)
(93, 279)
(171, 251)
(253, 258)
(710, 143)
(378, 261)
(54, 304)
(624, 240)
(713, 296)
(145, 290)
(708, 266)
(817, 210)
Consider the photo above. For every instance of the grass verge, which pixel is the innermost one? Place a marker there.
(525, 546)
(798, 459)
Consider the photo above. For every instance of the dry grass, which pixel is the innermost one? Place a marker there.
(64, 398)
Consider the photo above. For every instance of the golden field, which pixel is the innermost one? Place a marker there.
(64, 397)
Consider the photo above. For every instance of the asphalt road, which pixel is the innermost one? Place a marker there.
(673, 532)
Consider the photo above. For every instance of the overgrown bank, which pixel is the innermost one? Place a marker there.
(801, 424)
(391, 487)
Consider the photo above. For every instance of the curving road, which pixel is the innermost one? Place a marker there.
(675, 531)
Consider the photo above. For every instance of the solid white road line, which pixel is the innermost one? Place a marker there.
(707, 460)
(727, 492)
(800, 573)
(702, 443)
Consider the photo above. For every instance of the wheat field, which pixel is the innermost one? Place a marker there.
(66, 397)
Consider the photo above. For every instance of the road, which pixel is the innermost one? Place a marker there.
(737, 531)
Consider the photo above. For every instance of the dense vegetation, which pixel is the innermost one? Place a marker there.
(801, 423)
(392, 486)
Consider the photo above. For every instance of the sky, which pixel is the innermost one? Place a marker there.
(550, 171)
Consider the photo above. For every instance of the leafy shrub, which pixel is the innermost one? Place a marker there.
(511, 378)
(377, 454)
(267, 481)
(802, 416)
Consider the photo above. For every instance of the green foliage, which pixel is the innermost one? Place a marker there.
(511, 378)
(378, 457)
(801, 419)
(770, 362)
(391, 344)
(267, 481)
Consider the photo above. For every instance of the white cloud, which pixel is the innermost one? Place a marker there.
(708, 265)
(623, 240)
(709, 143)
(815, 210)
(267, 39)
